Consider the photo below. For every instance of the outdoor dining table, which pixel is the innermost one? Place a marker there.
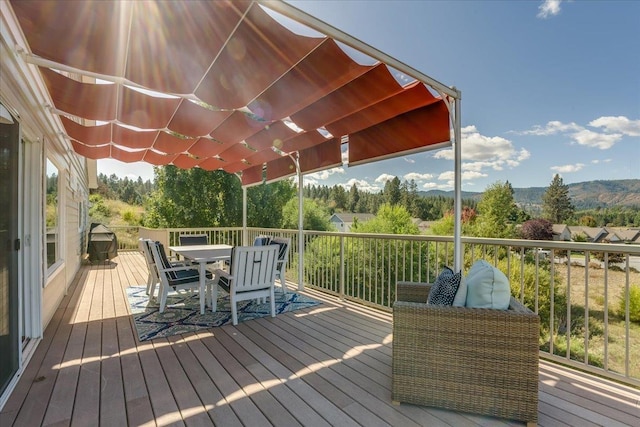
(203, 254)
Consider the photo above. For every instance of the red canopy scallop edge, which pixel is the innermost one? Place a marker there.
(233, 89)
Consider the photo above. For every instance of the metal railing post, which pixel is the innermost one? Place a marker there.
(341, 267)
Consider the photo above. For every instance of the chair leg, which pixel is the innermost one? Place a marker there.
(149, 283)
(234, 310)
(214, 297)
(283, 285)
(273, 301)
(163, 297)
(152, 290)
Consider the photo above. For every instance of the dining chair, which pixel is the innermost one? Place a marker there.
(251, 276)
(175, 277)
(262, 240)
(283, 256)
(152, 278)
(193, 239)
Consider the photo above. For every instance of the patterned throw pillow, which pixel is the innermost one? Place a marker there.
(445, 287)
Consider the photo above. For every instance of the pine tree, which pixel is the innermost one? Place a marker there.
(556, 203)
(354, 198)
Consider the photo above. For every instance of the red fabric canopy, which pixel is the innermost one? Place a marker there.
(219, 85)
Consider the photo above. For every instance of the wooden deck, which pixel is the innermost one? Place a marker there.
(328, 365)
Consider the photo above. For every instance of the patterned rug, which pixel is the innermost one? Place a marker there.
(182, 314)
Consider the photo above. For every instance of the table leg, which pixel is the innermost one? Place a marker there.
(203, 278)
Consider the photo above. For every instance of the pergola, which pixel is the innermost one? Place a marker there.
(230, 85)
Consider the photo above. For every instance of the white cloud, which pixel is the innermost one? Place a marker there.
(596, 161)
(466, 176)
(482, 152)
(476, 166)
(597, 140)
(307, 180)
(614, 129)
(619, 124)
(568, 168)
(362, 184)
(408, 160)
(549, 8)
(553, 127)
(323, 175)
(384, 178)
(417, 176)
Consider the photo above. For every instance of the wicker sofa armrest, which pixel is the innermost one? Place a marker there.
(412, 291)
(475, 360)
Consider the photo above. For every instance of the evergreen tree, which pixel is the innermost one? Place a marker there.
(392, 194)
(410, 197)
(354, 198)
(556, 204)
(339, 197)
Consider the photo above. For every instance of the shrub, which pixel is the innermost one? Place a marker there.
(634, 304)
(528, 281)
(98, 211)
(131, 218)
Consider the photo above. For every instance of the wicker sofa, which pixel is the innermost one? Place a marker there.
(475, 360)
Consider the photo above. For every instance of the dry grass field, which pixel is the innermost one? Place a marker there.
(593, 279)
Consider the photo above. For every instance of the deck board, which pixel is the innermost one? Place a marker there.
(326, 365)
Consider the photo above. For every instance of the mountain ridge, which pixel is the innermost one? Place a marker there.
(584, 195)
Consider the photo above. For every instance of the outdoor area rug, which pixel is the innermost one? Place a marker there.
(182, 314)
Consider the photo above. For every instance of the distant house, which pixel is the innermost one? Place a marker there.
(561, 232)
(592, 234)
(622, 235)
(344, 221)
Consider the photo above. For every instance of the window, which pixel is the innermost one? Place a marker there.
(52, 214)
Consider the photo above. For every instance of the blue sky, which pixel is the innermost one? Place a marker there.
(547, 87)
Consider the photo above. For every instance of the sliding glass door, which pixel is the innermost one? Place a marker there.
(9, 246)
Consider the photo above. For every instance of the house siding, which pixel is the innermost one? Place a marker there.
(22, 93)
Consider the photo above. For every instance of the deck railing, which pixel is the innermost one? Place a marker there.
(582, 291)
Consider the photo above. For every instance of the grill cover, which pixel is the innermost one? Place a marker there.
(103, 243)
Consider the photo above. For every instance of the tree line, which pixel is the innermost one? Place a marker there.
(395, 193)
(196, 198)
(133, 192)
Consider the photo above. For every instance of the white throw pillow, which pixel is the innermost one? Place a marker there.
(487, 287)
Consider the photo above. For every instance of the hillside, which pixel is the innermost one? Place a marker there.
(584, 195)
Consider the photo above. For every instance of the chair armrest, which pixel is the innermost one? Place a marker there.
(218, 272)
(412, 291)
(176, 268)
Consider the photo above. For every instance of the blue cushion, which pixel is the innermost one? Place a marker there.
(193, 239)
(487, 287)
(262, 241)
(181, 276)
(165, 261)
(186, 276)
(443, 291)
(223, 282)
